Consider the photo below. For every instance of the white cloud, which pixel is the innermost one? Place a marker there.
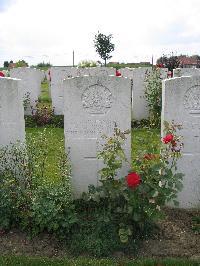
(48, 30)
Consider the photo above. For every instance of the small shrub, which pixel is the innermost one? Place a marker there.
(27, 198)
(55, 121)
(87, 63)
(153, 95)
(130, 205)
(42, 114)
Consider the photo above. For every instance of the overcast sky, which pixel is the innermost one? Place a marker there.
(47, 30)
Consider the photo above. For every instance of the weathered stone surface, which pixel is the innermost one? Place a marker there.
(138, 75)
(30, 84)
(181, 103)
(179, 72)
(92, 106)
(12, 125)
(58, 74)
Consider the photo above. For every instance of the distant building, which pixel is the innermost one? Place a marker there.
(189, 62)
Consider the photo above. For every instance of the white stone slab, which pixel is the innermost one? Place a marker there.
(181, 103)
(179, 72)
(12, 125)
(58, 74)
(92, 106)
(30, 83)
(140, 108)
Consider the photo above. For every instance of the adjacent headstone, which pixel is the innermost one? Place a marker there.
(30, 84)
(92, 106)
(12, 125)
(179, 72)
(58, 74)
(140, 108)
(181, 103)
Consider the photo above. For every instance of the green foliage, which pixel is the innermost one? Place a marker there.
(87, 63)
(26, 101)
(130, 65)
(44, 65)
(85, 261)
(153, 95)
(131, 211)
(5, 64)
(21, 63)
(42, 114)
(196, 224)
(44, 96)
(55, 121)
(27, 198)
(103, 46)
(171, 62)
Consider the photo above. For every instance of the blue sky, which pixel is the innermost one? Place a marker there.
(47, 30)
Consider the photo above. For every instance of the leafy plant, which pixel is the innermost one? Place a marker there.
(169, 61)
(153, 95)
(27, 198)
(27, 101)
(131, 204)
(87, 63)
(103, 46)
(42, 114)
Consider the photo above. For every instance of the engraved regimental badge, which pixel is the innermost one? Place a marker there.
(192, 100)
(97, 99)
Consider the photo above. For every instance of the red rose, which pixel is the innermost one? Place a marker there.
(2, 74)
(118, 74)
(133, 180)
(168, 138)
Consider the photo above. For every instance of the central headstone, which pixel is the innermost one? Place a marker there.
(92, 107)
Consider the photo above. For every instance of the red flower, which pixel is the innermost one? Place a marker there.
(2, 74)
(168, 138)
(117, 73)
(133, 180)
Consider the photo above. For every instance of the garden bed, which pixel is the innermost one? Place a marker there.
(173, 238)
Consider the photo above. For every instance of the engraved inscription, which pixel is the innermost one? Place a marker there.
(192, 100)
(90, 128)
(97, 99)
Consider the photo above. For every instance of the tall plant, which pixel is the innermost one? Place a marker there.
(153, 95)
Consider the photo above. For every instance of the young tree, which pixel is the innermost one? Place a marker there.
(5, 64)
(103, 46)
(170, 62)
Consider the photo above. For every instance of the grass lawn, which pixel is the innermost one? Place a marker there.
(55, 140)
(14, 260)
(45, 95)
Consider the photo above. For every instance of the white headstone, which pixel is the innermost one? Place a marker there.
(138, 75)
(181, 103)
(12, 125)
(179, 72)
(58, 74)
(92, 106)
(30, 84)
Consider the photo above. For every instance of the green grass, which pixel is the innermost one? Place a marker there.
(24, 261)
(44, 96)
(145, 141)
(55, 138)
